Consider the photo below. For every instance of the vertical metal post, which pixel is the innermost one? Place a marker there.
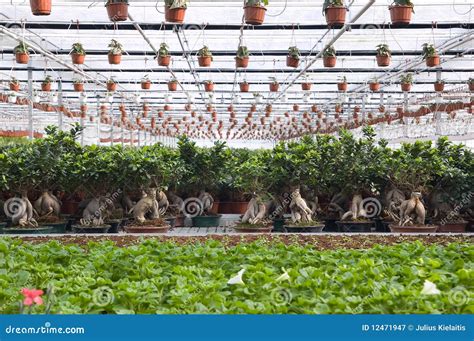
(82, 132)
(98, 119)
(60, 103)
(30, 102)
(122, 134)
(131, 138)
(112, 124)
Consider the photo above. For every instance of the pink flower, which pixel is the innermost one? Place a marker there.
(32, 296)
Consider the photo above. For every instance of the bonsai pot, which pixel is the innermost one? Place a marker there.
(374, 87)
(209, 87)
(355, 226)
(342, 86)
(92, 229)
(78, 58)
(146, 85)
(383, 60)
(335, 16)
(46, 87)
(117, 11)
(382, 225)
(254, 15)
(292, 62)
(40, 7)
(204, 61)
(147, 229)
(27, 230)
(179, 221)
(111, 87)
(164, 60)
(241, 62)
(406, 87)
(260, 229)
(172, 86)
(306, 86)
(400, 15)
(114, 59)
(244, 87)
(114, 225)
(175, 15)
(439, 87)
(274, 87)
(171, 221)
(79, 87)
(413, 229)
(432, 61)
(22, 58)
(14, 86)
(304, 229)
(2, 226)
(59, 227)
(233, 207)
(329, 61)
(207, 221)
(454, 227)
(279, 225)
(330, 225)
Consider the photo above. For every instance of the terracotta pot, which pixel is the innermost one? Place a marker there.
(117, 11)
(439, 87)
(78, 58)
(254, 15)
(400, 15)
(244, 87)
(146, 85)
(175, 15)
(471, 86)
(413, 229)
(458, 227)
(383, 60)
(115, 59)
(374, 86)
(274, 87)
(205, 61)
(14, 86)
(164, 60)
(46, 87)
(406, 87)
(306, 86)
(329, 61)
(292, 62)
(241, 62)
(22, 58)
(233, 207)
(209, 87)
(335, 15)
(111, 87)
(265, 229)
(342, 86)
(432, 61)
(296, 107)
(147, 229)
(172, 86)
(40, 7)
(79, 87)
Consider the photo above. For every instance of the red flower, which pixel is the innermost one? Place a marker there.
(32, 296)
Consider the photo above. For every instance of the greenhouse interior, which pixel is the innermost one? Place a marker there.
(237, 157)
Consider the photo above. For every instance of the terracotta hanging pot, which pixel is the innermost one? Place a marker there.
(241, 62)
(296, 107)
(471, 86)
(335, 16)
(254, 15)
(164, 60)
(306, 86)
(146, 85)
(432, 61)
(406, 87)
(209, 87)
(244, 87)
(172, 86)
(383, 61)
(314, 108)
(439, 87)
(15, 86)
(167, 107)
(204, 61)
(114, 59)
(117, 11)
(292, 62)
(77, 58)
(111, 87)
(175, 15)
(46, 87)
(22, 58)
(78, 87)
(374, 86)
(400, 14)
(40, 7)
(342, 86)
(274, 87)
(329, 61)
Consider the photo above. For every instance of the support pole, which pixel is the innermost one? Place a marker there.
(60, 103)
(30, 102)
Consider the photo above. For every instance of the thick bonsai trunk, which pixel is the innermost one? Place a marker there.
(412, 211)
(147, 206)
(21, 211)
(47, 204)
(300, 212)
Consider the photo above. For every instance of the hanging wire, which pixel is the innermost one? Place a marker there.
(283, 10)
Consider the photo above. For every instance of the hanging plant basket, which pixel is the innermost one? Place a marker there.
(374, 86)
(77, 58)
(471, 86)
(79, 87)
(114, 59)
(209, 87)
(164, 60)
(432, 61)
(146, 85)
(15, 87)
(40, 7)
(244, 87)
(175, 15)
(205, 61)
(406, 87)
(117, 11)
(335, 16)
(172, 86)
(254, 15)
(296, 107)
(400, 14)
(46, 87)
(306, 86)
(383, 61)
(274, 87)
(111, 87)
(241, 62)
(292, 62)
(439, 87)
(329, 61)
(22, 58)
(342, 86)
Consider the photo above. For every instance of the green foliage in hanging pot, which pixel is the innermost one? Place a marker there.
(164, 56)
(205, 56)
(175, 10)
(115, 52)
(242, 58)
(335, 12)
(430, 55)
(254, 11)
(329, 57)
(293, 57)
(22, 53)
(383, 55)
(78, 53)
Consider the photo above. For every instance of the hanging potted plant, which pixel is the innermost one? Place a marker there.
(439, 85)
(145, 83)
(78, 54)
(78, 85)
(400, 12)
(242, 58)
(374, 85)
(406, 82)
(40, 7)
(335, 12)
(244, 86)
(329, 57)
(254, 11)
(115, 52)
(274, 85)
(306, 86)
(22, 55)
(342, 84)
(164, 56)
(293, 57)
(175, 10)
(173, 84)
(14, 84)
(430, 55)
(383, 55)
(209, 86)
(46, 84)
(205, 57)
(111, 85)
(470, 83)
(117, 10)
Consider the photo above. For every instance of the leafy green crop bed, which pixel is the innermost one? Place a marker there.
(170, 277)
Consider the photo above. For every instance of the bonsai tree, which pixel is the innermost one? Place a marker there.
(78, 53)
(205, 56)
(383, 55)
(293, 57)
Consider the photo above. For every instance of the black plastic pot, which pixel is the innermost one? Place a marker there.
(114, 225)
(355, 226)
(171, 221)
(304, 229)
(23, 230)
(330, 225)
(279, 225)
(207, 221)
(2, 226)
(381, 225)
(95, 229)
(57, 227)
